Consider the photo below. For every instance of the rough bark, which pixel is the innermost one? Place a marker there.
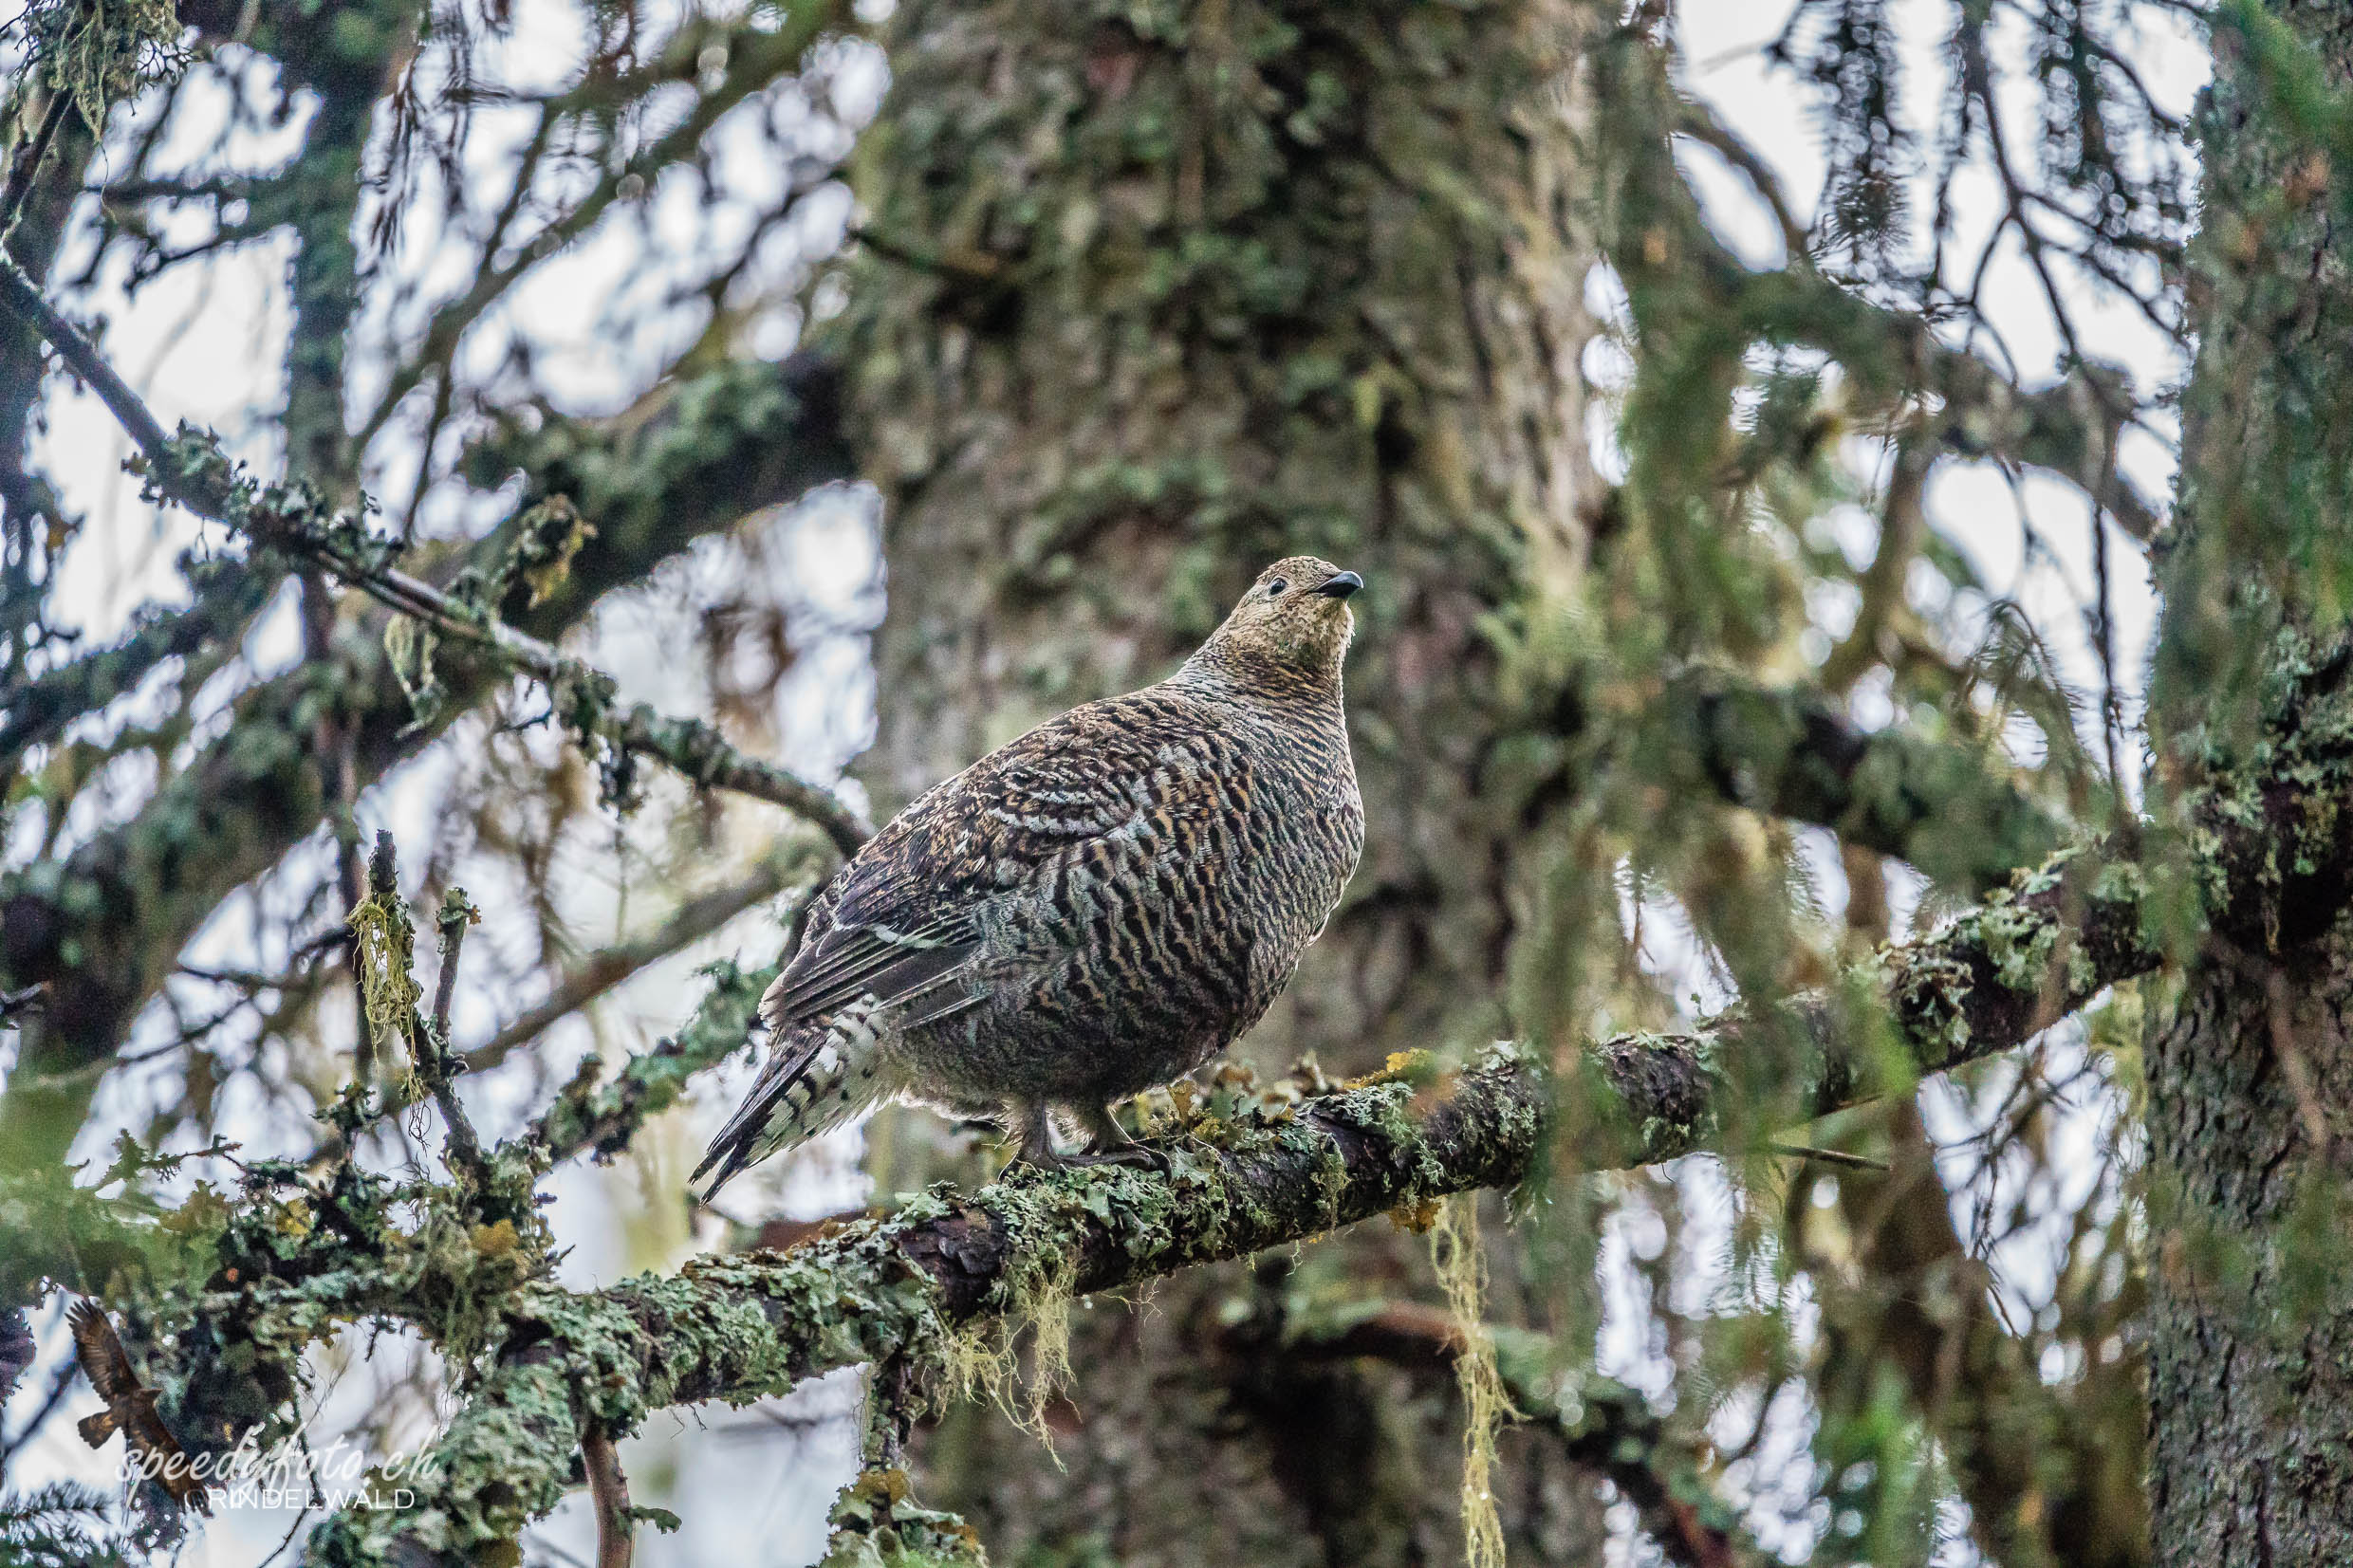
(2251, 1321)
(2251, 1356)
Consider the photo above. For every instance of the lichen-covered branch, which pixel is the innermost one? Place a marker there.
(738, 1327)
(2267, 864)
(1987, 983)
(602, 1117)
(191, 469)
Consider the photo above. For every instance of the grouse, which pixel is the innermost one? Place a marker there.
(1095, 908)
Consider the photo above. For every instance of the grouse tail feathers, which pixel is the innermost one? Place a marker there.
(820, 1075)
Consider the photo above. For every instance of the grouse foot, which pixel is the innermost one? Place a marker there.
(1112, 1146)
(1141, 1156)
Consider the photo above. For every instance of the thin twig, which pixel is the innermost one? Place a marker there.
(609, 967)
(1699, 124)
(338, 787)
(457, 913)
(61, 1383)
(20, 296)
(1828, 1156)
(610, 1489)
(28, 162)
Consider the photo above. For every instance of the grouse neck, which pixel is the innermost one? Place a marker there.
(1245, 675)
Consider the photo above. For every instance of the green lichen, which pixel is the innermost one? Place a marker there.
(1461, 1263)
(99, 52)
(384, 942)
(410, 646)
(877, 1524)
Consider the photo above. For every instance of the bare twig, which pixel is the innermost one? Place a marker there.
(61, 1384)
(1828, 1156)
(434, 1061)
(1699, 122)
(21, 297)
(610, 1489)
(28, 161)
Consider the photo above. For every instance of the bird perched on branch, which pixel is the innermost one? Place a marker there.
(1101, 905)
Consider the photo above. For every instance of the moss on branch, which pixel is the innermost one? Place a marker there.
(895, 1289)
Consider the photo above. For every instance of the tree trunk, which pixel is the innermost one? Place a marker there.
(1146, 299)
(2250, 1327)
(2251, 1366)
(1138, 313)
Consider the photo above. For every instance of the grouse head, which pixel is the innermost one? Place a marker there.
(1293, 621)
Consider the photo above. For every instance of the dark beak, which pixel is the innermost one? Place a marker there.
(1341, 585)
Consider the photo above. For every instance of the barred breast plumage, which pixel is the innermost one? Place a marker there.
(1101, 905)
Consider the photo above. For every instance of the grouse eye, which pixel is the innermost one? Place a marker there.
(1277, 586)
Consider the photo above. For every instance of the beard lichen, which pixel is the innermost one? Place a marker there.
(1461, 1266)
(384, 943)
(970, 1362)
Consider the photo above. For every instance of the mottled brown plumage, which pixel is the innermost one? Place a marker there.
(1099, 907)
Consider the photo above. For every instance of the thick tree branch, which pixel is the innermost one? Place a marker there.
(1987, 983)
(736, 1327)
(2271, 867)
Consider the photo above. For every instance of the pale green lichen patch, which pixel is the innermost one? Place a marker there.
(877, 1524)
